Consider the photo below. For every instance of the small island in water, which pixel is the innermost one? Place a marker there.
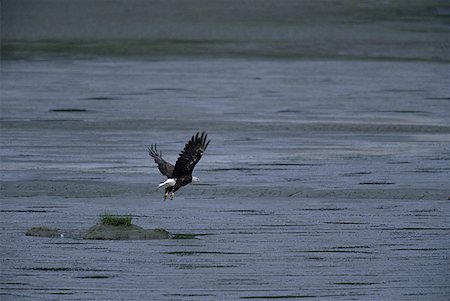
(110, 227)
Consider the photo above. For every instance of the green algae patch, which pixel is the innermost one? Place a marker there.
(119, 227)
(116, 220)
(124, 232)
(43, 232)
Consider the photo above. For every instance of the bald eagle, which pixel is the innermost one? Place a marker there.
(180, 174)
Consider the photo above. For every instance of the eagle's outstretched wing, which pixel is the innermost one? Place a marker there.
(164, 167)
(191, 154)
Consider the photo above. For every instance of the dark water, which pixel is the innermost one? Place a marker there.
(400, 30)
(324, 179)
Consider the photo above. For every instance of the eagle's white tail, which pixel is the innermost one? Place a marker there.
(167, 183)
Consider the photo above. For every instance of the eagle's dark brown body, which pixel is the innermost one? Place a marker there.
(182, 171)
(180, 182)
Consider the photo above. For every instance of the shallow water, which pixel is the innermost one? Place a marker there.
(392, 30)
(245, 248)
(324, 179)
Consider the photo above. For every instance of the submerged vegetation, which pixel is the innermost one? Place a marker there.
(121, 232)
(43, 232)
(116, 220)
(110, 227)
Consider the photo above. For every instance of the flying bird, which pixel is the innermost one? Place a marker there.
(180, 174)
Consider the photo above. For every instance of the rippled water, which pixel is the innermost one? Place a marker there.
(324, 179)
(391, 30)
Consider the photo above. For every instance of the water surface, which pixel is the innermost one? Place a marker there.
(324, 179)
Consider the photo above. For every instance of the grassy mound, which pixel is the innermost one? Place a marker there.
(110, 227)
(124, 232)
(116, 220)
